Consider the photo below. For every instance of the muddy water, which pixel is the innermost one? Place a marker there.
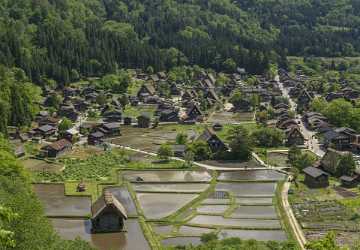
(159, 205)
(251, 175)
(246, 223)
(132, 239)
(57, 204)
(264, 212)
(248, 189)
(212, 209)
(182, 241)
(167, 176)
(254, 201)
(123, 195)
(194, 231)
(171, 187)
(264, 235)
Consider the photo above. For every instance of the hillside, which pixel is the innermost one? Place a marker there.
(65, 39)
(311, 27)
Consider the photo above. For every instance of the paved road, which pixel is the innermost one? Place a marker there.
(312, 142)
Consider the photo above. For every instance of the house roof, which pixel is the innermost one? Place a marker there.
(60, 144)
(111, 125)
(97, 134)
(347, 178)
(207, 134)
(105, 200)
(45, 128)
(314, 172)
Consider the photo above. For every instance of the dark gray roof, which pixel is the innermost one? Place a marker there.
(314, 172)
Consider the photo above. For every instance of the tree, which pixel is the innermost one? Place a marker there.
(54, 101)
(293, 154)
(101, 99)
(240, 143)
(189, 158)
(268, 137)
(165, 152)
(201, 150)
(181, 138)
(347, 165)
(229, 65)
(64, 125)
(6, 236)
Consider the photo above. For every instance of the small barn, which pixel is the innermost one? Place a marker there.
(108, 214)
(58, 148)
(316, 178)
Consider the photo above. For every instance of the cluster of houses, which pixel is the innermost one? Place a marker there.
(338, 142)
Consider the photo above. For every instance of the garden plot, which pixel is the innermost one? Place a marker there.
(230, 117)
(133, 238)
(248, 189)
(57, 204)
(194, 231)
(171, 187)
(150, 139)
(254, 201)
(210, 220)
(167, 176)
(264, 235)
(181, 241)
(255, 212)
(251, 175)
(123, 195)
(160, 205)
(277, 159)
(40, 165)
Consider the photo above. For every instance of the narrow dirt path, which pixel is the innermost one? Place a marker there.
(290, 214)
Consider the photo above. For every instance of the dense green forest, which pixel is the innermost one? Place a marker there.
(67, 39)
(311, 27)
(64, 39)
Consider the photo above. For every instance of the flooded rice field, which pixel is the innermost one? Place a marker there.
(255, 212)
(56, 203)
(205, 220)
(133, 238)
(248, 189)
(212, 209)
(123, 195)
(251, 175)
(254, 201)
(234, 164)
(194, 231)
(160, 205)
(181, 241)
(166, 176)
(264, 235)
(171, 187)
(162, 229)
(212, 201)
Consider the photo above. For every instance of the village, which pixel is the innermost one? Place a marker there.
(153, 167)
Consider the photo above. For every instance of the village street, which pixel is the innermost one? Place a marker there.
(312, 142)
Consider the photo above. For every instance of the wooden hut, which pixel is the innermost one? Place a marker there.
(108, 214)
